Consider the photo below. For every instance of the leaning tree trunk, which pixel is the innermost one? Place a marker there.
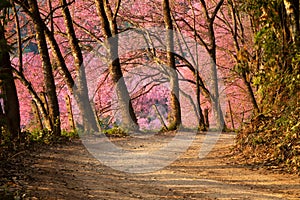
(47, 68)
(8, 88)
(175, 114)
(109, 28)
(80, 89)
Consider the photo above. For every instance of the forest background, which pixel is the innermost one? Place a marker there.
(47, 46)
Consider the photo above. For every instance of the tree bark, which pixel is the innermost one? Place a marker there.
(109, 29)
(201, 122)
(292, 10)
(80, 97)
(220, 122)
(175, 113)
(250, 92)
(40, 105)
(8, 88)
(80, 89)
(47, 68)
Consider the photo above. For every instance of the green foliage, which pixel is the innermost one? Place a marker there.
(46, 137)
(104, 123)
(116, 132)
(4, 136)
(272, 137)
(69, 134)
(40, 136)
(112, 130)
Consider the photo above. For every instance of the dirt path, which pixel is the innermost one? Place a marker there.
(70, 172)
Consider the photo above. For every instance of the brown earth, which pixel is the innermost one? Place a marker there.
(69, 171)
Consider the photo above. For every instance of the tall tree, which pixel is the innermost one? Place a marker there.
(278, 81)
(211, 47)
(7, 83)
(109, 28)
(80, 89)
(47, 67)
(243, 58)
(175, 114)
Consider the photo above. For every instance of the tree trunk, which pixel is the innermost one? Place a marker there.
(80, 92)
(8, 87)
(292, 10)
(40, 105)
(80, 89)
(109, 28)
(201, 122)
(220, 122)
(250, 92)
(175, 113)
(47, 68)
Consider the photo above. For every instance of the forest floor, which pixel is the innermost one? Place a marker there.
(69, 171)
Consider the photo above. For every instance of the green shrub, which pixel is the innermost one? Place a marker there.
(116, 132)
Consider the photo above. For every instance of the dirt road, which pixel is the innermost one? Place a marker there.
(70, 172)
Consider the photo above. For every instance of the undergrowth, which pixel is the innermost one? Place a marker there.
(272, 138)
